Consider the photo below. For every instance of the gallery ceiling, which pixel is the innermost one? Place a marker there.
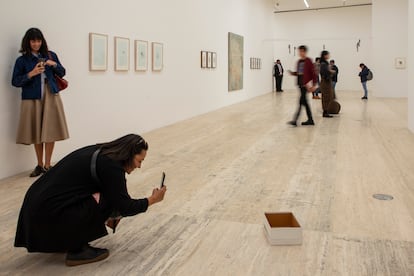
(291, 5)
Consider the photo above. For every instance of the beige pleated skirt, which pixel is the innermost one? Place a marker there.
(43, 120)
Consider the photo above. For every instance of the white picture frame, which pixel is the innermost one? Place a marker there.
(214, 60)
(209, 59)
(203, 59)
(157, 56)
(98, 52)
(121, 53)
(141, 55)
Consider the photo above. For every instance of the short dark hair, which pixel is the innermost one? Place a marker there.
(332, 61)
(303, 48)
(33, 34)
(124, 149)
(361, 64)
(277, 60)
(317, 59)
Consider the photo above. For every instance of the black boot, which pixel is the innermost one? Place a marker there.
(85, 255)
(309, 122)
(293, 123)
(326, 115)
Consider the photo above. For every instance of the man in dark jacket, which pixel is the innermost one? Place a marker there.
(364, 78)
(278, 74)
(307, 82)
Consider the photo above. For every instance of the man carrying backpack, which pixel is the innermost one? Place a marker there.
(365, 75)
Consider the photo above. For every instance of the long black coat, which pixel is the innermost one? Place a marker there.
(59, 212)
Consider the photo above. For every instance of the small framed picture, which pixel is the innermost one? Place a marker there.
(121, 54)
(214, 60)
(157, 56)
(141, 55)
(98, 52)
(255, 63)
(209, 59)
(260, 63)
(203, 59)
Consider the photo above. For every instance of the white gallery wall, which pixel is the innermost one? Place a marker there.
(338, 29)
(389, 33)
(105, 105)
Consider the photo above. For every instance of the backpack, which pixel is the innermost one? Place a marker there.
(370, 76)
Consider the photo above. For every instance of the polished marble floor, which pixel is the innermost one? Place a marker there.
(226, 168)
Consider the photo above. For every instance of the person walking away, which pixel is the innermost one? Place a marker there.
(326, 83)
(42, 117)
(364, 78)
(307, 82)
(317, 65)
(334, 76)
(278, 74)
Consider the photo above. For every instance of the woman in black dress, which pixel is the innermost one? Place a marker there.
(67, 208)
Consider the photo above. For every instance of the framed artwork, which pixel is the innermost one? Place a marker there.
(203, 59)
(209, 59)
(251, 63)
(98, 52)
(400, 63)
(157, 56)
(121, 54)
(214, 60)
(235, 62)
(141, 55)
(260, 64)
(254, 63)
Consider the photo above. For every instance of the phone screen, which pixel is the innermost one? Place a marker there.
(162, 179)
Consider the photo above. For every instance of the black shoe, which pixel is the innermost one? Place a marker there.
(308, 123)
(326, 115)
(87, 254)
(293, 123)
(364, 98)
(37, 171)
(47, 169)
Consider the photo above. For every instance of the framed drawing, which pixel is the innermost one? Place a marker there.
(400, 63)
(98, 52)
(121, 54)
(157, 56)
(203, 59)
(209, 59)
(141, 55)
(235, 62)
(214, 60)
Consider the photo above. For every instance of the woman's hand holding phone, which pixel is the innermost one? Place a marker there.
(157, 195)
(37, 70)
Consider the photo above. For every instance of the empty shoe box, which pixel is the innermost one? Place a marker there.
(282, 229)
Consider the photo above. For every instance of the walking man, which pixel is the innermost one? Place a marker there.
(278, 74)
(307, 82)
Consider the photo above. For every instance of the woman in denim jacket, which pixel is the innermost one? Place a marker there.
(42, 116)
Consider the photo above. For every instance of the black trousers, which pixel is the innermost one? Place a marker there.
(279, 80)
(303, 101)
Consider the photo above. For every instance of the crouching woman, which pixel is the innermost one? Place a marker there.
(67, 208)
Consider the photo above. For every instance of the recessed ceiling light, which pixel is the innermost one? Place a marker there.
(306, 3)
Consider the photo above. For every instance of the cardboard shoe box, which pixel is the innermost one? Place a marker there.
(282, 229)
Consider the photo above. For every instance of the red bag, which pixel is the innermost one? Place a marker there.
(61, 83)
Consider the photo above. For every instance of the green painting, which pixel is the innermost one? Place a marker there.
(236, 47)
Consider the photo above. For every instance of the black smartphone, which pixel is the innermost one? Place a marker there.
(162, 179)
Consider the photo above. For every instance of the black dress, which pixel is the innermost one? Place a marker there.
(59, 212)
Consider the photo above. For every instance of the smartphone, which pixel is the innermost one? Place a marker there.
(42, 61)
(162, 179)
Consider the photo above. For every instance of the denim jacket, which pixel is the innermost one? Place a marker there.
(31, 87)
